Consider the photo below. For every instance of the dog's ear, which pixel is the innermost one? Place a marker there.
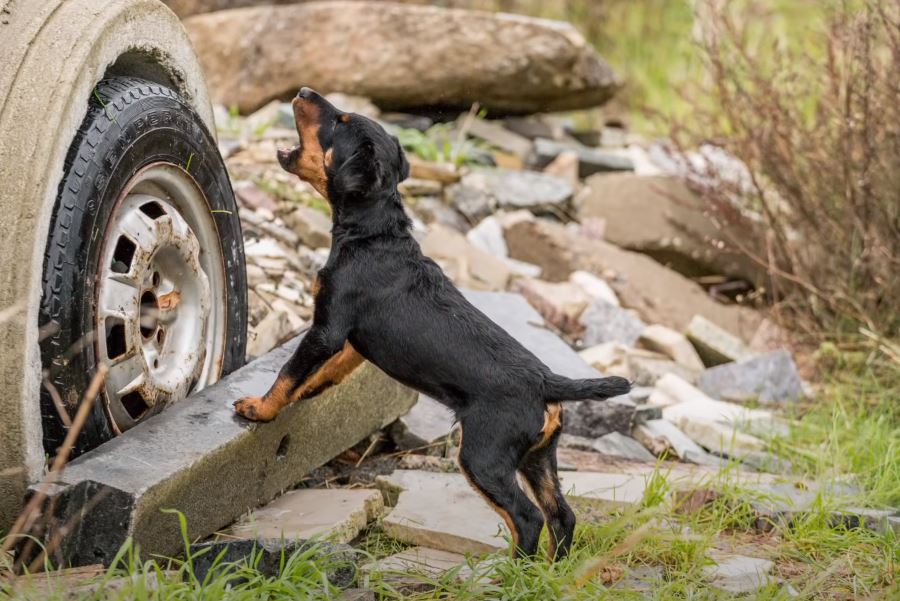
(359, 173)
(402, 163)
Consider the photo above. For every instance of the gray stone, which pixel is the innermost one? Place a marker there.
(769, 378)
(340, 560)
(202, 459)
(253, 197)
(428, 421)
(620, 445)
(738, 574)
(714, 345)
(604, 322)
(590, 160)
(483, 191)
(496, 135)
(334, 514)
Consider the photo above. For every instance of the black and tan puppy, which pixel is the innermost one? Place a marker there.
(380, 299)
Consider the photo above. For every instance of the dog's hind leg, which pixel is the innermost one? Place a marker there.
(539, 469)
(489, 461)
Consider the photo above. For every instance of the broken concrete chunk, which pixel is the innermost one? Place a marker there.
(610, 358)
(604, 322)
(334, 514)
(313, 227)
(769, 378)
(482, 191)
(660, 436)
(620, 445)
(738, 574)
(452, 519)
(718, 437)
(340, 559)
(472, 267)
(646, 368)
(672, 344)
(690, 402)
(561, 304)
(427, 422)
(595, 287)
(590, 160)
(488, 236)
(273, 329)
(714, 345)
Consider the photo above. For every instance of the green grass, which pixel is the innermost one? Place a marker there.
(851, 433)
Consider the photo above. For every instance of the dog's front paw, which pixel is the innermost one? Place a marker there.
(255, 408)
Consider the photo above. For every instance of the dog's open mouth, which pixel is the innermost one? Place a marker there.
(287, 157)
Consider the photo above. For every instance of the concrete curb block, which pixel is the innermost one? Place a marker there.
(201, 459)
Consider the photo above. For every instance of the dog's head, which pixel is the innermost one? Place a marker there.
(343, 155)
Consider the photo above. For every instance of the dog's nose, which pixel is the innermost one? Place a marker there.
(305, 92)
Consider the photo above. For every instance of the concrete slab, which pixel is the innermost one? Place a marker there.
(203, 460)
(616, 489)
(451, 519)
(714, 345)
(333, 514)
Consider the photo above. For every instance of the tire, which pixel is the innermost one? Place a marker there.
(131, 126)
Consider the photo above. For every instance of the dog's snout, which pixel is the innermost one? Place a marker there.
(306, 93)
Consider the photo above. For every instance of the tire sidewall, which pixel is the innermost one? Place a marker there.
(144, 124)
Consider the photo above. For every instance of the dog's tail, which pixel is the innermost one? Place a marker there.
(560, 388)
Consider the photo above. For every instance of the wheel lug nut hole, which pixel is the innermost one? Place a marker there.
(160, 336)
(149, 315)
(156, 364)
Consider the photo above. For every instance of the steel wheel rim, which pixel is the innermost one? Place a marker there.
(160, 296)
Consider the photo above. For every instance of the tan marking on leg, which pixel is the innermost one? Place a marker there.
(285, 390)
(334, 371)
(316, 287)
(552, 423)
